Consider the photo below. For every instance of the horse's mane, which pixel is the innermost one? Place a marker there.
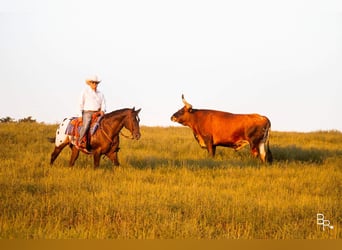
(118, 112)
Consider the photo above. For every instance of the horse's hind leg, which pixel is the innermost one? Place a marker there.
(57, 151)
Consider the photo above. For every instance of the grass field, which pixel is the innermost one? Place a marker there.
(167, 188)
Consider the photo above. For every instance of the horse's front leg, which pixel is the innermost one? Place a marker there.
(74, 155)
(115, 159)
(97, 157)
(112, 154)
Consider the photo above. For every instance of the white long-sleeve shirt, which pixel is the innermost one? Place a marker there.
(91, 100)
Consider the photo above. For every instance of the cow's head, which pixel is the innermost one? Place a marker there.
(182, 115)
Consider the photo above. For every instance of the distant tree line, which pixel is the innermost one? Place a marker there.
(12, 120)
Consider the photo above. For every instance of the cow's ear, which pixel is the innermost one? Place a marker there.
(190, 110)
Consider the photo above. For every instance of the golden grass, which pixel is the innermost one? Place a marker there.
(167, 188)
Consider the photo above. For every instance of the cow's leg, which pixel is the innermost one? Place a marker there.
(210, 146)
(74, 155)
(200, 140)
(255, 152)
(254, 149)
(213, 150)
(265, 153)
(57, 151)
(262, 152)
(240, 144)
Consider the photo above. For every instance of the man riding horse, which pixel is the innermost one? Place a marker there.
(91, 102)
(104, 134)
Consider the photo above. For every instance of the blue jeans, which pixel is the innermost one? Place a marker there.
(86, 119)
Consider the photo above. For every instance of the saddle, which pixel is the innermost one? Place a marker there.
(74, 127)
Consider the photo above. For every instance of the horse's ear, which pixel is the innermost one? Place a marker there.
(136, 111)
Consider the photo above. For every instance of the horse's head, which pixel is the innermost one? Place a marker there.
(132, 123)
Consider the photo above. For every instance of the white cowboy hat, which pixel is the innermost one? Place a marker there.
(93, 79)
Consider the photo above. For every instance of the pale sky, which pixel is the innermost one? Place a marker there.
(282, 59)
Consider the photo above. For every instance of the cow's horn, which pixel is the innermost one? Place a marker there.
(187, 105)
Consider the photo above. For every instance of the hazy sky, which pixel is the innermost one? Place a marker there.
(282, 59)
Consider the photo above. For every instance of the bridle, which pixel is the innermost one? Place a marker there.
(126, 136)
(131, 136)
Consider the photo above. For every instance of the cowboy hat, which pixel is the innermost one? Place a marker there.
(93, 79)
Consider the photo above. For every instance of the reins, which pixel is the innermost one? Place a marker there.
(126, 136)
(106, 135)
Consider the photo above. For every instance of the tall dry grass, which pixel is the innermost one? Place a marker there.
(167, 188)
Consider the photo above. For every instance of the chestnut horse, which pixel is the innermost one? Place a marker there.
(105, 141)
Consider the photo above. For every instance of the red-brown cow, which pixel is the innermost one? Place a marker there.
(213, 128)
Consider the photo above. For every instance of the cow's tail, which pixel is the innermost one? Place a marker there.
(268, 157)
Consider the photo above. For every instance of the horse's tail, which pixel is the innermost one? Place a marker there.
(51, 139)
